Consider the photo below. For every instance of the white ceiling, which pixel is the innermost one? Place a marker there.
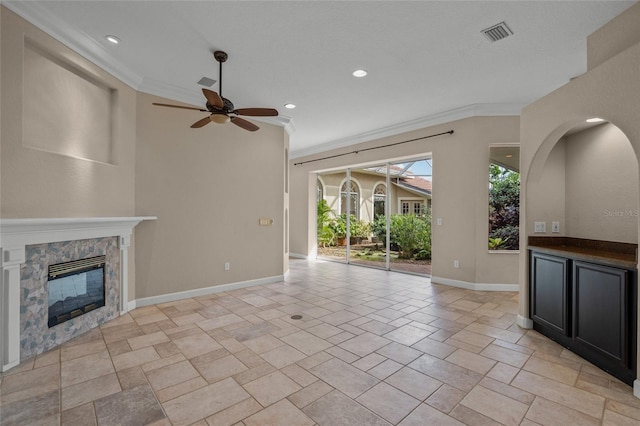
(427, 60)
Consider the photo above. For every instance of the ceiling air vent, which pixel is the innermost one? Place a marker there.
(497, 32)
(206, 81)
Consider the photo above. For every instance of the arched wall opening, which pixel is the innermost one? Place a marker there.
(584, 177)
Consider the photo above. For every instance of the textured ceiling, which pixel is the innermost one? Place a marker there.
(427, 61)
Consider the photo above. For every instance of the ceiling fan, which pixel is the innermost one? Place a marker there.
(222, 109)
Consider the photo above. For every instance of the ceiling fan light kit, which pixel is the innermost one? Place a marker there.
(222, 109)
(219, 118)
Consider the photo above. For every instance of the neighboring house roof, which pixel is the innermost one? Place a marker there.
(405, 179)
(415, 184)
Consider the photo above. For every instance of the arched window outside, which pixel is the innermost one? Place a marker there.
(379, 200)
(354, 204)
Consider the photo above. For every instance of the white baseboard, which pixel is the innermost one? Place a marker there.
(523, 322)
(299, 256)
(636, 388)
(171, 297)
(286, 275)
(475, 286)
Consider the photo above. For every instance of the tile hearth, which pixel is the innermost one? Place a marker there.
(372, 347)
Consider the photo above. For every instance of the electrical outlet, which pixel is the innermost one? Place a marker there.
(540, 227)
(456, 264)
(555, 227)
(227, 266)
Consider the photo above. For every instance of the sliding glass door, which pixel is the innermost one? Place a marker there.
(331, 228)
(369, 223)
(377, 216)
(410, 216)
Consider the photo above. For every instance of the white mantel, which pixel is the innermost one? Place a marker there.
(16, 234)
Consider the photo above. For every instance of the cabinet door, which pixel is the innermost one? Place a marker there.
(550, 292)
(599, 309)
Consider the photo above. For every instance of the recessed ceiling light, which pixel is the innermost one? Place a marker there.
(509, 156)
(595, 120)
(359, 73)
(113, 39)
(289, 106)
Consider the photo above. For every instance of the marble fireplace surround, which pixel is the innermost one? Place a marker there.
(16, 234)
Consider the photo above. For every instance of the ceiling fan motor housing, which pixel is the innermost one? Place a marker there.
(228, 105)
(226, 108)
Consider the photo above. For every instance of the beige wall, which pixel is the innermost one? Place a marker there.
(601, 186)
(38, 183)
(619, 34)
(208, 187)
(460, 194)
(609, 90)
(589, 183)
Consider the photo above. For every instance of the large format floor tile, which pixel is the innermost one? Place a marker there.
(372, 348)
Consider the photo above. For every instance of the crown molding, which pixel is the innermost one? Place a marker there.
(94, 51)
(74, 39)
(171, 92)
(474, 110)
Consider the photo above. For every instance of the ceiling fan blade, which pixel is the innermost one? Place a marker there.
(180, 106)
(213, 98)
(257, 112)
(201, 122)
(245, 124)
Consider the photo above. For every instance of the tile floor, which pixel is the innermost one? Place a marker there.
(372, 348)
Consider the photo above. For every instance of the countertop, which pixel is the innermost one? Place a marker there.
(608, 253)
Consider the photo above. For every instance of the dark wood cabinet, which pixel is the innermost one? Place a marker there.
(587, 307)
(600, 317)
(550, 291)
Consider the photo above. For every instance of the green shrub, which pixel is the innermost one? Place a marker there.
(504, 208)
(357, 228)
(326, 234)
(410, 234)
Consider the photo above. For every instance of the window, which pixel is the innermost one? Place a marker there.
(504, 197)
(379, 199)
(354, 204)
(415, 207)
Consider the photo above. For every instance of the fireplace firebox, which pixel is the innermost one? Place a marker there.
(75, 288)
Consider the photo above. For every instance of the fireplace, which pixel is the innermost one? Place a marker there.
(27, 248)
(75, 288)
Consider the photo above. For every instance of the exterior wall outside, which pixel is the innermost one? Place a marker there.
(366, 183)
(208, 187)
(460, 188)
(610, 91)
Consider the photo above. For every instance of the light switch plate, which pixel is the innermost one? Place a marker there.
(540, 227)
(555, 227)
